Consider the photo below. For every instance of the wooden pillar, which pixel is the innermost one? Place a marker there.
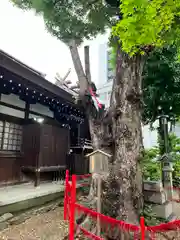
(79, 135)
(37, 178)
(99, 204)
(26, 117)
(27, 108)
(37, 170)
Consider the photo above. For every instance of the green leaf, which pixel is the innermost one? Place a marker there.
(144, 23)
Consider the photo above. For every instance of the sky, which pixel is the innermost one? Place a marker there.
(23, 35)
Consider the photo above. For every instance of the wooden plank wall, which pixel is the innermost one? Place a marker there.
(54, 146)
(9, 168)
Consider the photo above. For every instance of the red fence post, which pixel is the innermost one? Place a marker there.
(66, 195)
(72, 208)
(142, 227)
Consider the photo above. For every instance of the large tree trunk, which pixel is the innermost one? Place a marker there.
(119, 134)
(124, 185)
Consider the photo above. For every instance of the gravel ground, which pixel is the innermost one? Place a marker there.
(47, 226)
(50, 226)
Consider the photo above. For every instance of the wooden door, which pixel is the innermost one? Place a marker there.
(31, 145)
(47, 142)
(54, 146)
(61, 147)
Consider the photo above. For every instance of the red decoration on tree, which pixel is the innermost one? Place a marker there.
(95, 98)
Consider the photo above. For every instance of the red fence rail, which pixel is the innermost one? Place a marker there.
(71, 206)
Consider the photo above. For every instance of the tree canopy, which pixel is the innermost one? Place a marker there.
(145, 23)
(142, 24)
(67, 20)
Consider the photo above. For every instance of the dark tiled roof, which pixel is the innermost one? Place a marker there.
(12, 64)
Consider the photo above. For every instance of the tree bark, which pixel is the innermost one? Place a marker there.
(87, 64)
(124, 185)
(119, 134)
(78, 67)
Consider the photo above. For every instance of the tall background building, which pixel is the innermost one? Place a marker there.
(105, 74)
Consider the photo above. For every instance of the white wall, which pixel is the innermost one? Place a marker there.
(41, 109)
(32, 116)
(176, 130)
(149, 137)
(13, 100)
(105, 93)
(102, 64)
(103, 84)
(11, 112)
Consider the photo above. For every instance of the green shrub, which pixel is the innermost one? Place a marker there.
(150, 217)
(151, 167)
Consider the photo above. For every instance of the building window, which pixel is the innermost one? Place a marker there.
(10, 136)
(110, 71)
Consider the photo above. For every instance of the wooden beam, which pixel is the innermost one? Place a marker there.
(27, 108)
(3, 131)
(9, 118)
(24, 109)
(37, 179)
(37, 173)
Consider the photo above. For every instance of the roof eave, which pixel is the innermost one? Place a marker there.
(15, 66)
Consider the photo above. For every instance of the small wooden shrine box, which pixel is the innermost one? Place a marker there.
(98, 161)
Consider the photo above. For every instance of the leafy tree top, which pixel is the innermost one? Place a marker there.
(148, 23)
(68, 19)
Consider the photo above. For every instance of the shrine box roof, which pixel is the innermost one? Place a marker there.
(99, 151)
(98, 161)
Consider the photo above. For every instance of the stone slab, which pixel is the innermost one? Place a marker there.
(163, 211)
(6, 217)
(30, 203)
(153, 186)
(155, 197)
(3, 225)
(23, 192)
(18, 220)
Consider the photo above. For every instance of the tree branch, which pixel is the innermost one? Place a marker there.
(78, 67)
(87, 64)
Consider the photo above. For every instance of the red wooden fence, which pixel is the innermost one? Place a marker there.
(70, 208)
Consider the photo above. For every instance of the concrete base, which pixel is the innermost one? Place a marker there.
(163, 211)
(172, 218)
(20, 198)
(30, 203)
